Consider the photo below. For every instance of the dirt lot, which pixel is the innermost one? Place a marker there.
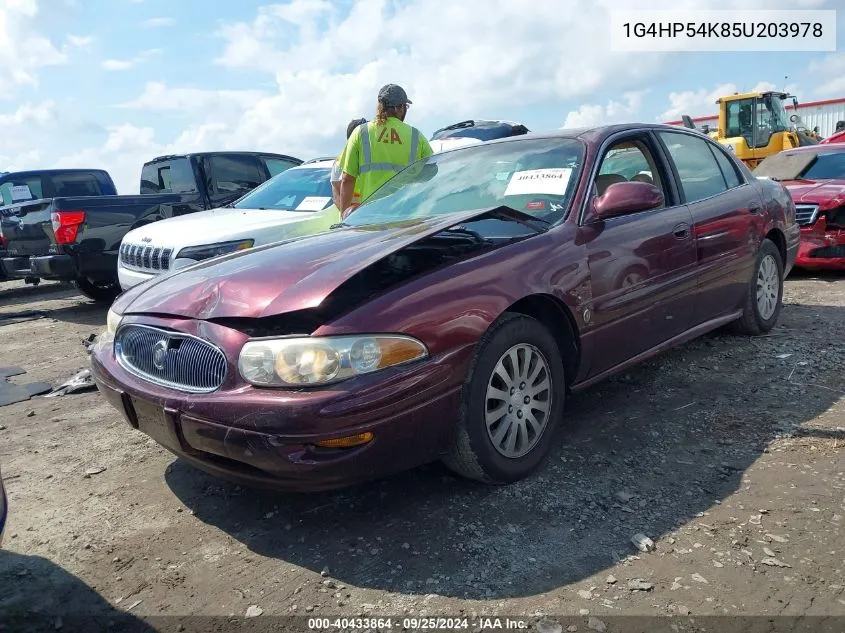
(728, 453)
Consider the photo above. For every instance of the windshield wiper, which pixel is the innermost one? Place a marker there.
(460, 230)
(339, 225)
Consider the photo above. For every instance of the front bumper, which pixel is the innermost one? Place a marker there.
(267, 437)
(821, 248)
(129, 278)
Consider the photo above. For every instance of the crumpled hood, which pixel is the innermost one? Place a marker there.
(278, 278)
(815, 191)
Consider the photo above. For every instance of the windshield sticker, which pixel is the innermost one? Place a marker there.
(539, 181)
(20, 192)
(313, 203)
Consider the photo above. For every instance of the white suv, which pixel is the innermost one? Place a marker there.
(296, 202)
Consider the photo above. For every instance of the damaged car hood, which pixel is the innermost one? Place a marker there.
(815, 191)
(283, 277)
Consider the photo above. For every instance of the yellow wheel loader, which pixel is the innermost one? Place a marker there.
(754, 125)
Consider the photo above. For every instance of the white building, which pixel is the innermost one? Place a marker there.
(823, 114)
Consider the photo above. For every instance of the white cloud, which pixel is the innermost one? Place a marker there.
(613, 112)
(327, 61)
(126, 64)
(80, 41)
(829, 72)
(39, 114)
(154, 23)
(702, 102)
(22, 50)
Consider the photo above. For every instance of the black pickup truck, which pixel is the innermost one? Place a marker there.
(33, 190)
(78, 238)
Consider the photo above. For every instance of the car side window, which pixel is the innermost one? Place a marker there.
(700, 174)
(629, 160)
(235, 175)
(276, 166)
(168, 176)
(75, 185)
(728, 168)
(21, 190)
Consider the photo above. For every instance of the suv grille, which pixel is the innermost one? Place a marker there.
(170, 359)
(806, 214)
(147, 258)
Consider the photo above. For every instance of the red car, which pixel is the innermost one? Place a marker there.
(815, 177)
(450, 316)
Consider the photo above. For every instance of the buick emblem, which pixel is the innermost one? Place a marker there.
(146, 239)
(159, 354)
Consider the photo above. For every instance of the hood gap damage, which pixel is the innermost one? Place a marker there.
(432, 253)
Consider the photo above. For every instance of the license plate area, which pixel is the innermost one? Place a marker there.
(156, 422)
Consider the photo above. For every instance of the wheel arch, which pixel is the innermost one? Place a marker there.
(555, 315)
(779, 239)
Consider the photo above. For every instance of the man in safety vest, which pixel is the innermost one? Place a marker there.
(336, 172)
(380, 148)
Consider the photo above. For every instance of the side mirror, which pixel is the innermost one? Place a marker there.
(623, 198)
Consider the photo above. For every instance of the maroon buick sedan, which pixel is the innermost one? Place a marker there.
(451, 314)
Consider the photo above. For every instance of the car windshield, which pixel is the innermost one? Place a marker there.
(534, 176)
(826, 167)
(808, 165)
(297, 189)
(777, 119)
(483, 132)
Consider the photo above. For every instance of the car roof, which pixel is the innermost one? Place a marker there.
(48, 172)
(597, 134)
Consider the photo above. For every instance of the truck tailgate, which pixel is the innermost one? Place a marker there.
(27, 228)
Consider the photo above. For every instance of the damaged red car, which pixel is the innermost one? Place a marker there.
(815, 178)
(451, 314)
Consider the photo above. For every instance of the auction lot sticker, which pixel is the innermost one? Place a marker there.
(551, 182)
(313, 203)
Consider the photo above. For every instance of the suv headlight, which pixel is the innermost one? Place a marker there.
(295, 362)
(208, 251)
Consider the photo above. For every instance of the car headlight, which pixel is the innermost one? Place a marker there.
(295, 362)
(112, 321)
(207, 251)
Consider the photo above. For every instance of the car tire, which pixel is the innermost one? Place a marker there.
(475, 452)
(101, 292)
(765, 293)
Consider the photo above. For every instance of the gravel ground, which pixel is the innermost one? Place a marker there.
(727, 453)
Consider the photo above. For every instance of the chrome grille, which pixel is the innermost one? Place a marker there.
(171, 359)
(806, 214)
(148, 258)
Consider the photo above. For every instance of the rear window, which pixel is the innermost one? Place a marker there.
(276, 166)
(305, 189)
(21, 190)
(168, 176)
(65, 185)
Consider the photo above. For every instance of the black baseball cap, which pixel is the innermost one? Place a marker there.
(393, 95)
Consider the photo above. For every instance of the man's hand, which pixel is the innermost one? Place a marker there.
(347, 190)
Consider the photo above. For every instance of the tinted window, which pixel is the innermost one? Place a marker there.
(536, 177)
(727, 167)
(168, 176)
(75, 185)
(235, 174)
(276, 165)
(21, 189)
(306, 189)
(826, 166)
(740, 115)
(700, 174)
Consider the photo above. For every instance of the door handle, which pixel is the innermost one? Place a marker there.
(681, 231)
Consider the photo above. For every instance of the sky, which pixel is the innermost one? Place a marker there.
(113, 83)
